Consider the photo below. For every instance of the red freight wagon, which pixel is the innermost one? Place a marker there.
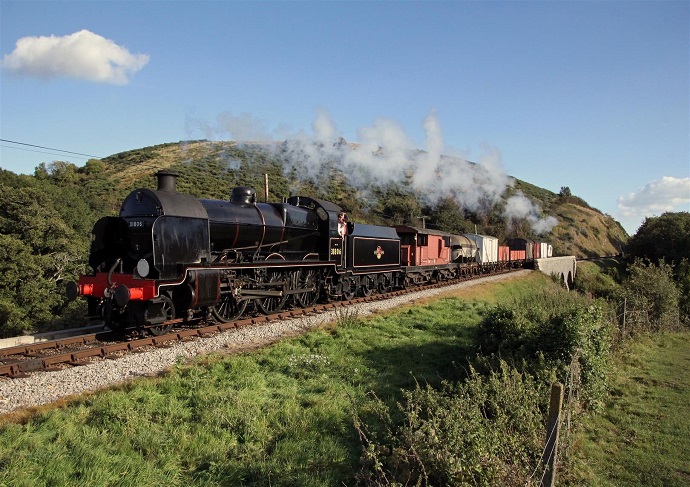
(421, 247)
(517, 255)
(537, 250)
(523, 244)
(503, 253)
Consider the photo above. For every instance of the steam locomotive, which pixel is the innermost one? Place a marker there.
(170, 255)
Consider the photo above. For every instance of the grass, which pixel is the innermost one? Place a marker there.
(278, 416)
(643, 435)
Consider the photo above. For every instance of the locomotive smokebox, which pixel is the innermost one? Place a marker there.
(167, 181)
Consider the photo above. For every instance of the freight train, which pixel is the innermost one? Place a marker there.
(171, 256)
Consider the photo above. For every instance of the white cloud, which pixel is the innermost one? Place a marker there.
(82, 55)
(661, 195)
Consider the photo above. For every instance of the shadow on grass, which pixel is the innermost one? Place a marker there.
(402, 367)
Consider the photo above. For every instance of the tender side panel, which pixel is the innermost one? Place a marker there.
(375, 252)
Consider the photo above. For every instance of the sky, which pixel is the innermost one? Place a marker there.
(589, 95)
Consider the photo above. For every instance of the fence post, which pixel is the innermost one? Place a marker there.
(553, 428)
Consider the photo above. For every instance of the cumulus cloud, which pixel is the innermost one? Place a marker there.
(661, 195)
(82, 55)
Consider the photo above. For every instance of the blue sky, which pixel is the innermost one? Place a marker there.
(590, 95)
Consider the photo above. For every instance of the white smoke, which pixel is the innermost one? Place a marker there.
(245, 127)
(385, 154)
(519, 206)
(323, 127)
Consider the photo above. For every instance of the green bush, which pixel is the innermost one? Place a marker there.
(590, 280)
(651, 298)
(557, 334)
(487, 430)
(682, 277)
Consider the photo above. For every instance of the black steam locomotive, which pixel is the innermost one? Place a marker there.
(170, 255)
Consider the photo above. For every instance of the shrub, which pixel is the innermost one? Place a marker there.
(682, 276)
(590, 280)
(485, 431)
(553, 333)
(651, 298)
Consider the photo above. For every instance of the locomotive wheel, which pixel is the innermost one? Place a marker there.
(349, 288)
(272, 304)
(308, 279)
(167, 310)
(385, 284)
(228, 308)
(368, 285)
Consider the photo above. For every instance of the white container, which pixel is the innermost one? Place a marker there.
(487, 247)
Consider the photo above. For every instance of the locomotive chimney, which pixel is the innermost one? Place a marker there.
(167, 181)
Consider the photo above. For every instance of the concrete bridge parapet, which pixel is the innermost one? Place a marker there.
(564, 267)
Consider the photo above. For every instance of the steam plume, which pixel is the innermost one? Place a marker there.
(385, 154)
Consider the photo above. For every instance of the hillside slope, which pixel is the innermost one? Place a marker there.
(210, 169)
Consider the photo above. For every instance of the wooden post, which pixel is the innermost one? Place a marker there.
(553, 428)
(625, 311)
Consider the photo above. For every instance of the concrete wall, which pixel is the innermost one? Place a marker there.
(563, 267)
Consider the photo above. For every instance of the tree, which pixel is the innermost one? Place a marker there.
(664, 237)
(400, 205)
(38, 250)
(63, 172)
(93, 166)
(449, 217)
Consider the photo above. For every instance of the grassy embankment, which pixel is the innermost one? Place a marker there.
(642, 437)
(279, 416)
(284, 415)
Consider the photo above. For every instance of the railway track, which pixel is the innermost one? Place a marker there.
(21, 360)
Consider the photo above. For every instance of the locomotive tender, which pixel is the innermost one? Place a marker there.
(170, 255)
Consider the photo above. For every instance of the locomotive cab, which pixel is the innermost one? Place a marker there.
(330, 244)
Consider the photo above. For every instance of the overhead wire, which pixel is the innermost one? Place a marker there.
(47, 148)
(42, 152)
